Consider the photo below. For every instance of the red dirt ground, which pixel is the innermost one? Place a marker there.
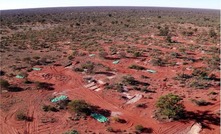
(71, 83)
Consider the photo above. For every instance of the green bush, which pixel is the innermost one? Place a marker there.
(170, 106)
(80, 107)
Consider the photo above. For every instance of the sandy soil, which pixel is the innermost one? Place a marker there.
(71, 84)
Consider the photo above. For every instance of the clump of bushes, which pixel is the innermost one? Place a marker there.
(170, 106)
(47, 108)
(116, 86)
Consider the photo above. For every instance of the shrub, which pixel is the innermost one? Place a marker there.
(170, 106)
(72, 132)
(80, 107)
(70, 57)
(118, 87)
(200, 102)
(139, 128)
(169, 39)
(110, 129)
(47, 108)
(212, 33)
(174, 54)
(103, 54)
(21, 116)
(2, 73)
(164, 31)
(141, 105)
(4, 84)
(117, 119)
(157, 62)
(200, 72)
(137, 67)
(137, 54)
(129, 80)
(122, 54)
(199, 84)
(89, 66)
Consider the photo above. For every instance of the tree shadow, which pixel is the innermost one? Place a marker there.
(105, 73)
(104, 112)
(147, 130)
(204, 117)
(112, 58)
(45, 85)
(15, 89)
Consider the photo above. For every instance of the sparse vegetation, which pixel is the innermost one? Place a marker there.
(179, 47)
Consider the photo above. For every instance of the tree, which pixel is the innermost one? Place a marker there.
(170, 106)
(80, 107)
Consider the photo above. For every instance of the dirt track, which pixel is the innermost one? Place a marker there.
(71, 84)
